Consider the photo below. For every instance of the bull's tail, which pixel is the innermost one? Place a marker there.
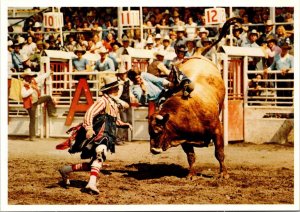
(225, 28)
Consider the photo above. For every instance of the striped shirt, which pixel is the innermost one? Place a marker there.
(104, 105)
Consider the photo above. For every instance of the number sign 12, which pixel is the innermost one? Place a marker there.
(215, 16)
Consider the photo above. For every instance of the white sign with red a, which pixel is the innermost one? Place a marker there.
(53, 20)
(130, 18)
(215, 16)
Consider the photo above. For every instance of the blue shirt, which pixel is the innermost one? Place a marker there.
(17, 61)
(247, 43)
(81, 64)
(282, 62)
(107, 64)
(154, 85)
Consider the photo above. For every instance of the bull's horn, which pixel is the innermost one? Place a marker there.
(159, 117)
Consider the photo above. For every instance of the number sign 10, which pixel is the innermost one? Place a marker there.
(53, 20)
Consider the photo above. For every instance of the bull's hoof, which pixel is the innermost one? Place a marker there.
(224, 175)
(189, 177)
(156, 150)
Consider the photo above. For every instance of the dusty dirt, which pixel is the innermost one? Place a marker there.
(259, 174)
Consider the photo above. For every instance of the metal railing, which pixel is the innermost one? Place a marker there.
(273, 91)
(62, 85)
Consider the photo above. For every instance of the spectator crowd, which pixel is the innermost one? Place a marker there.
(176, 30)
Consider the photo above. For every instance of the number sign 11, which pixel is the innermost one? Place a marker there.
(215, 16)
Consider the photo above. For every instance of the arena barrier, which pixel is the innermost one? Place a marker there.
(260, 118)
(257, 114)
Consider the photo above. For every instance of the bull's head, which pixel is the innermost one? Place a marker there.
(158, 132)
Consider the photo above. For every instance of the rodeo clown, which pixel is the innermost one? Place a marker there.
(96, 135)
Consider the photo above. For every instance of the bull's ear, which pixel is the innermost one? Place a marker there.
(162, 119)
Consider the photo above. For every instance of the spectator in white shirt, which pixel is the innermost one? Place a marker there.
(190, 28)
(29, 47)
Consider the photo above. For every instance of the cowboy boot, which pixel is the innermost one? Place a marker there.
(187, 89)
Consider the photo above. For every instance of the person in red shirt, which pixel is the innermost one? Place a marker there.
(32, 98)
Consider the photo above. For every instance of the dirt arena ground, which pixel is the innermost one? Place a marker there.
(259, 174)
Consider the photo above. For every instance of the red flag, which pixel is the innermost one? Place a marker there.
(64, 145)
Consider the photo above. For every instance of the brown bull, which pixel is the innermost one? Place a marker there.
(193, 122)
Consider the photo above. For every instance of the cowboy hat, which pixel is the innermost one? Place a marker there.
(271, 38)
(203, 30)
(269, 23)
(159, 52)
(149, 41)
(125, 38)
(166, 38)
(28, 72)
(90, 13)
(39, 42)
(253, 31)
(37, 25)
(109, 83)
(172, 33)
(121, 70)
(175, 13)
(157, 36)
(80, 49)
(103, 50)
(237, 27)
(20, 40)
(10, 43)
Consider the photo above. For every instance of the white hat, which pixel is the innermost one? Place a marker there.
(269, 23)
(166, 37)
(149, 41)
(28, 72)
(103, 50)
(109, 82)
(203, 30)
(37, 25)
(10, 43)
(160, 52)
(253, 31)
(20, 40)
(158, 36)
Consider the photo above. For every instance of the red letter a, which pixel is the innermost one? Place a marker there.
(75, 107)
